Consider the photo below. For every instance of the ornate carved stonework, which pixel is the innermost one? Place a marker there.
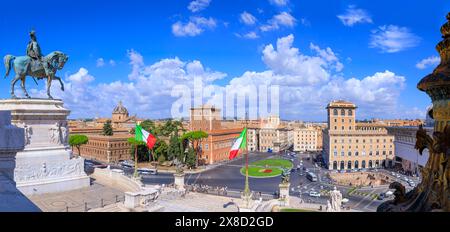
(433, 194)
(26, 173)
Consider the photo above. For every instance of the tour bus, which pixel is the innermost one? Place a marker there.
(311, 176)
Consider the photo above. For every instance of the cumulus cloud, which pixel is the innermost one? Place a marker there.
(392, 39)
(307, 82)
(198, 5)
(283, 19)
(249, 35)
(195, 26)
(428, 62)
(248, 18)
(279, 2)
(354, 16)
(100, 62)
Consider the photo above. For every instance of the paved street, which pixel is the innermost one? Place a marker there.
(229, 175)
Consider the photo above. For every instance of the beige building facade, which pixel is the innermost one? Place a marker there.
(348, 145)
(306, 139)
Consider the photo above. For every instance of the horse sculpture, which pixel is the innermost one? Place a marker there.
(26, 66)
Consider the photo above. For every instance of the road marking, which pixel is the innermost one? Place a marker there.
(197, 178)
(368, 196)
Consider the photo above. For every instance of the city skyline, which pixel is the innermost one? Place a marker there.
(299, 46)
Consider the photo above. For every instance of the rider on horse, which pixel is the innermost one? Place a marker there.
(34, 51)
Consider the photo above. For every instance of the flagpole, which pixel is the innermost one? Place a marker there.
(135, 161)
(247, 185)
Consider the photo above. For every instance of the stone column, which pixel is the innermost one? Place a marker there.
(179, 181)
(12, 140)
(284, 194)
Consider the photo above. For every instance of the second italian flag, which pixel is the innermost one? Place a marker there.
(240, 143)
(144, 136)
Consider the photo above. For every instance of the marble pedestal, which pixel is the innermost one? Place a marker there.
(284, 194)
(46, 164)
(179, 181)
(11, 141)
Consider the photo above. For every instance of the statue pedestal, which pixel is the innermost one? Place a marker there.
(179, 181)
(45, 165)
(284, 194)
(11, 141)
(247, 203)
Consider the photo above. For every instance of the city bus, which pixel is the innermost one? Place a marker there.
(311, 176)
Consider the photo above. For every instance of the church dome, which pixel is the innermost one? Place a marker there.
(120, 109)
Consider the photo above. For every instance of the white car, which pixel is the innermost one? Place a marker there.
(314, 194)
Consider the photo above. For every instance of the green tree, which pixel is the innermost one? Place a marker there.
(149, 126)
(175, 150)
(195, 138)
(191, 158)
(160, 149)
(78, 141)
(142, 150)
(107, 129)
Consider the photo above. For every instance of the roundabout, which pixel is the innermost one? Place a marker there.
(267, 168)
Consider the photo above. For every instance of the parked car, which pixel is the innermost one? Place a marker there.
(147, 171)
(314, 194)
(381, 196)
(101, 166)
(127, 164)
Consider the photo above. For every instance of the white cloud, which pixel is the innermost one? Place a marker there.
(249, 35)
(307, 84)
(354, 16)
(428, 62)
(248, 18)
(195, 26)
(279, 2)
(392, 39)
(198, 5)
(100, 62)
(148, 94)
(112, 63)
(287, 60)
(283, 19)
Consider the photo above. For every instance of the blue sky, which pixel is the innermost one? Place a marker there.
(136, 51)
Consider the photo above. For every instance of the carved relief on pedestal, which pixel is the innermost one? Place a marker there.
(73, 167)
(28, 131)
(58, 133)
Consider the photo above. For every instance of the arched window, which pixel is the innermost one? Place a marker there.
(377, 163)
(349, 165)
(363, 164)
(342, 112)
(356, 153)
(370, 164)
(350, 112)
(342, 165)
(356, 164)
(349, 153)
(335, 112)
(335, 165)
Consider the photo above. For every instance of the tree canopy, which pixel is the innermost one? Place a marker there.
(77, 141)
(107, 129)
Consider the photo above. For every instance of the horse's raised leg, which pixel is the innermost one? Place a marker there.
(49, 84)
(22, 84)
(60, 82)
(13, 83)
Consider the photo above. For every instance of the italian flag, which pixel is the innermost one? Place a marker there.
(144, 136)
(240, 143)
